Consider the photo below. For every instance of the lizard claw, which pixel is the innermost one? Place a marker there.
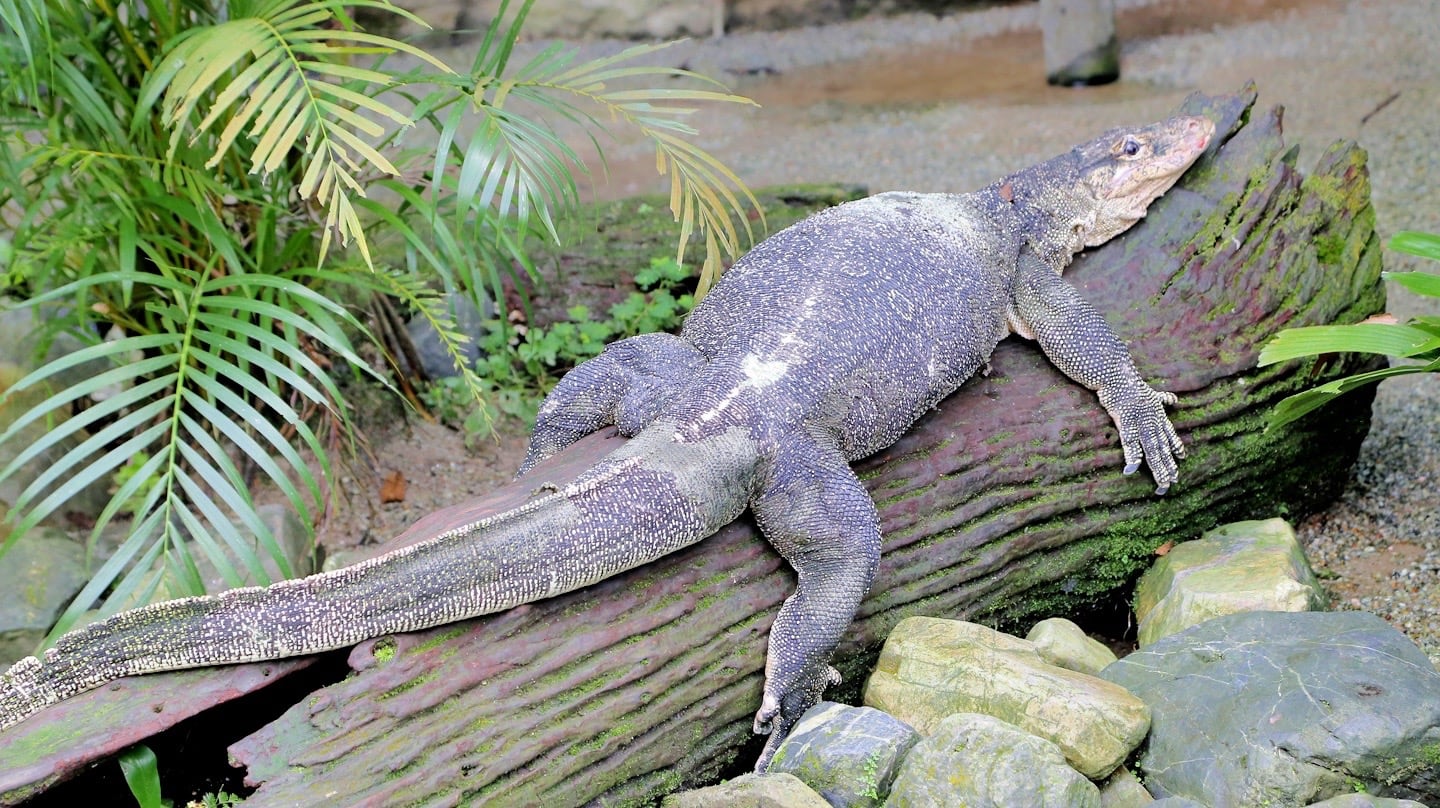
(779, 712)
(1146, 434)
(765, 718)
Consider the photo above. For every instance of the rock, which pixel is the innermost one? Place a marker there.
(750, 791)
(848, 754)
(1176, 802)
(1239, 567)
(1062, 643)
(1079, 40)
(39, 577)
(931, 668)
(624, 19)
(1124, 790)
(22, 332)
(1355, 800)
(1285, 708)
(467, 320)
(979, 761)
(633, 19)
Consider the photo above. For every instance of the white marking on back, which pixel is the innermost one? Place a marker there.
(759, 374)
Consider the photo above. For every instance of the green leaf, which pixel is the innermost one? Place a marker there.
(1425, 245)
(1380, 338)
(1421, 283)
(142, 774)
(1295, 406)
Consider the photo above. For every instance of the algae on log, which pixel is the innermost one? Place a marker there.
(1005, 504)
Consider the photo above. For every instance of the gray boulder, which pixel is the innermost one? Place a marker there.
(1124, 790)
(38, 577)
(430, 349)
(1239, 567)
(848, 754)
(1061, 642)
(979, 761)
(1287, 708)
(750, 791)
(931, 668)
(1361, 800)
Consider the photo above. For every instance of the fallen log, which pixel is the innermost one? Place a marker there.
(1004, 505)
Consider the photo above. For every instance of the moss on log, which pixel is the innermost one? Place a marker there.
(1006, 504)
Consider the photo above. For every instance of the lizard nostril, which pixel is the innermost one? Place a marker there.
(1198, 128)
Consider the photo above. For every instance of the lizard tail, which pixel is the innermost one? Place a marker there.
(636, 505)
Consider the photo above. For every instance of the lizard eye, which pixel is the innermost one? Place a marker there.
(1130, 147)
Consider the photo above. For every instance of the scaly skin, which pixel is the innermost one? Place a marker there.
(819, 347)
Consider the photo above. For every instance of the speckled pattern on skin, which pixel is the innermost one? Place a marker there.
(822, 345)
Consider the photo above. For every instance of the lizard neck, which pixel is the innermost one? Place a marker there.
(1051, 208)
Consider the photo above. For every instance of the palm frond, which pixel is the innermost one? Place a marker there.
(512, 166)
(277, 78)
(532, 168)
(213, 382)
(1379, 338)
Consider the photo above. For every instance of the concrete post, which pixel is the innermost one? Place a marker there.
(1080, 44)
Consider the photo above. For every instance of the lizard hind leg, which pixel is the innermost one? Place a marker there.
(626, 386)
(819, 517)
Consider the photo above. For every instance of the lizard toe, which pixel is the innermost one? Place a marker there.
(765, 716)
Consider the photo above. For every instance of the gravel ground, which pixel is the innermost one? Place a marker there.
(926, 103)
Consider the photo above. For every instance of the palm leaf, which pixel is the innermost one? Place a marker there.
(1293, 407)
(189, 407)
(1421, 283)
(1379, 338)
(294, 86)
(514, 167)
(1425, 245)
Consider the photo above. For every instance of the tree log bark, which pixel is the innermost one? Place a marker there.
(1004, 505)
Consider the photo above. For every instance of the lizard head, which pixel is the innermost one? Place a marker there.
(1128, 168)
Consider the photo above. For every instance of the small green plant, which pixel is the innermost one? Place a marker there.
(1417, 341)
(142, 774)
(220, 799)
(520, 364)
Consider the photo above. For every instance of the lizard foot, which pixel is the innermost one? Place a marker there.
(779, 712)
(1146, 433)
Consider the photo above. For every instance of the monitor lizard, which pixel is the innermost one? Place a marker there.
(820, 346)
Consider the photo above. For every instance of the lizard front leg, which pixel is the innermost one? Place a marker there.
(626, 385)
(1082, 345)
(820, 518)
